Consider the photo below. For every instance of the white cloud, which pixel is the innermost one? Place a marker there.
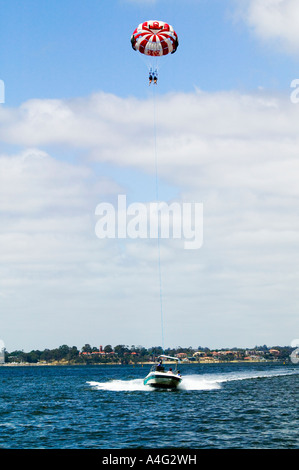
(275, 20)
(236, 153)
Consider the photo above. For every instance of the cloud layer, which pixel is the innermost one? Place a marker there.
(275, 20)
(236, 153)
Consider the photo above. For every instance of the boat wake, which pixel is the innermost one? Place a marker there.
(215, 381)
(192, 382)
(134, 385)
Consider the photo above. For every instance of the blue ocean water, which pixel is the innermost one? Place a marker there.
(219, 406)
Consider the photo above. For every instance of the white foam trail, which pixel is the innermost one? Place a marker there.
(214, 381)
(120, 385)
(198, 382)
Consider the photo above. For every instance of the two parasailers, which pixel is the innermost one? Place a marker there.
(153, 76)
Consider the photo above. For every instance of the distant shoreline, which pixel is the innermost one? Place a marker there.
(121, 355)
(100, 364)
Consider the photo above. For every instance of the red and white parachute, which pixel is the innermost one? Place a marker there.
(154, 38)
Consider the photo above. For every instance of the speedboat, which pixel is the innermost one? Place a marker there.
(159, 378)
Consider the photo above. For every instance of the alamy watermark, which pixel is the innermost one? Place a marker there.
(2, 352)
(295, 94)
(295, 354)
(2, 92)
(151, 220)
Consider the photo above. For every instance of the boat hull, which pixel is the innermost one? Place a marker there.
(162, 380)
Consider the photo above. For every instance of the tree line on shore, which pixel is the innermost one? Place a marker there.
(138, 354)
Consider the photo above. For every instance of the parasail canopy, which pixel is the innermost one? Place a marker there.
(154, 38)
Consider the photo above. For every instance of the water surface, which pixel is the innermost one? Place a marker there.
(218, 406)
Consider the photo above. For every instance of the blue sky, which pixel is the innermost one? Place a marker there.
(76, 129)
(62, 49)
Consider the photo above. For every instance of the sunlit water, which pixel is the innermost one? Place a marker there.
(216, 406)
